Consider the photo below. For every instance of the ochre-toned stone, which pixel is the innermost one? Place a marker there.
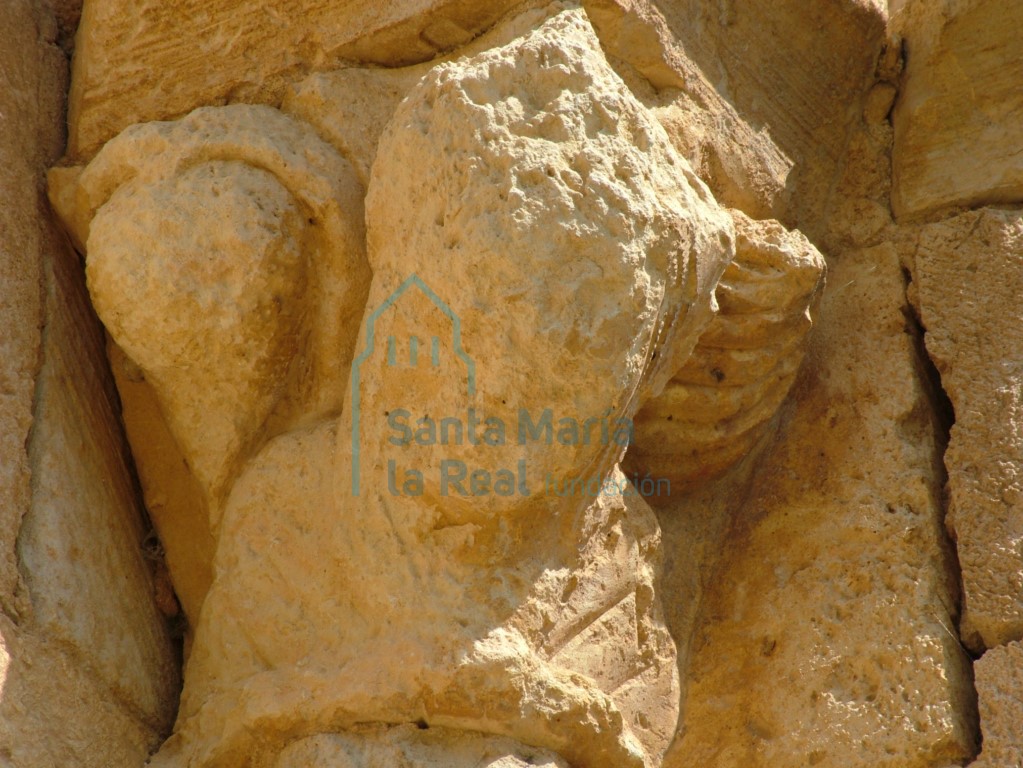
(156, 60)
(407, 746)
(969, 279)
(825, 636)
(538, 243)
(957, 135)
(351, 106)
(795, 74)
(999, 675)
(85, 509)
(88, 674)
(218, 247)
(20, 273)
(721, 402)
(741, 162)
(558, 230)
(54, 712)
(608, 191)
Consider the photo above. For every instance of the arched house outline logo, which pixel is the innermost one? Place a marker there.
(456, 343)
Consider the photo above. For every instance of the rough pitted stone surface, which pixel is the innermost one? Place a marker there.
(54, 712)
(721, 402)
(351, 106)
(409, 747)
(957, 134)
(802, 96)
(87, 672)
(85, 507)
(530, 615)
(575, 156)
(860, 213)
(538, 244)
(825, 636)
(999, 676)
(217, 246)
(20, 274)
(157, 60)
(969, 279)
(205, 54)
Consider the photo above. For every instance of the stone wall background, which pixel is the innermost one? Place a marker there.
(851, 595)
(88, 671)
(956, 194)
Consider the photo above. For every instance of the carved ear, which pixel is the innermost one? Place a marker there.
(225, 255)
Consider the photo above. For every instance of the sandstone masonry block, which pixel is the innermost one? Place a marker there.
(957, 131)
(999, 675)
(969, 275)
(825, 637)
(203, 52)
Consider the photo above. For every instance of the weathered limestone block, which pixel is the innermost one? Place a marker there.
(795, 73)
(410, 747)
(81, 543)
(93, 677)
(738, 159)
(137, 62)
(227, 276)
(350, 107)
(859, 214)
(999, 677)
(635, 31)
(969, 279)
(825, 635)
(22, 110)
(55, 712)
(524, 632)
(201, 54)
(219, 246)
(957, 132)
(589, 180)
(741, 164)
(88, 675)
(549, 209)
(546, 224)
(723, 399)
